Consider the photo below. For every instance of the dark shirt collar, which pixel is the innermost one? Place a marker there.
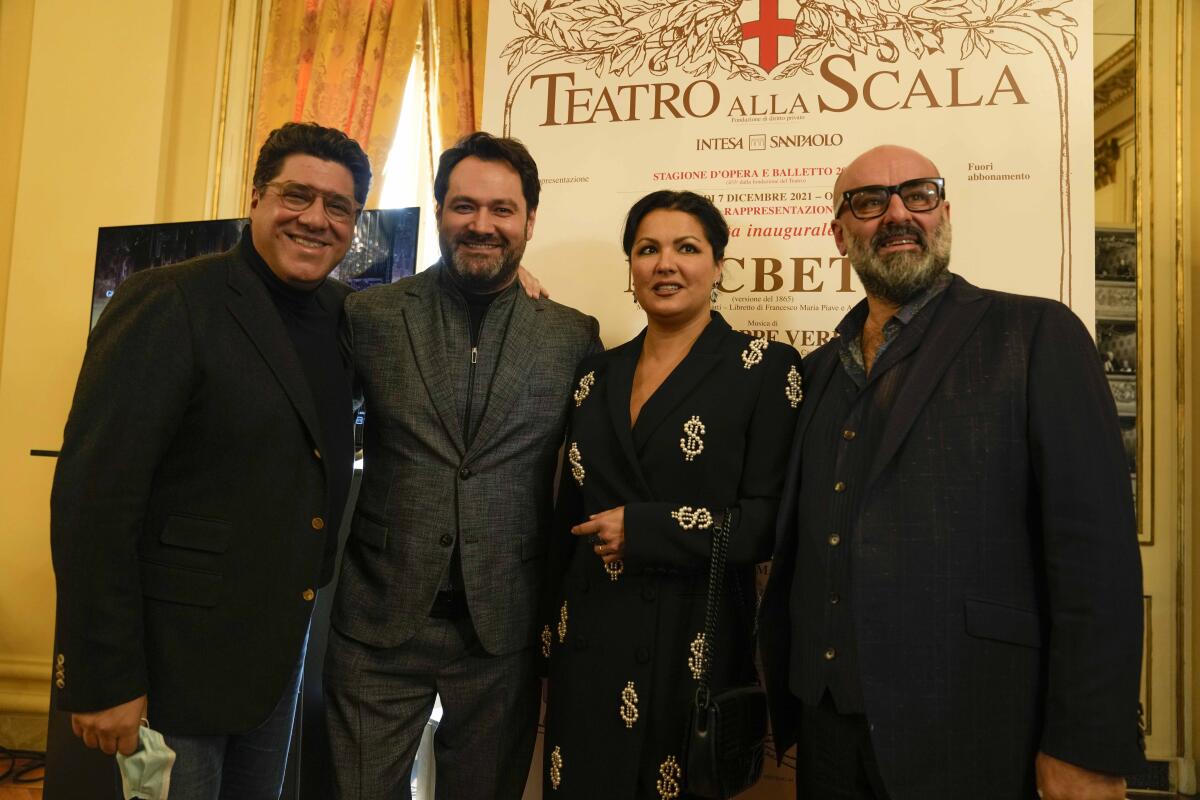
(281, 292)
(451, 288)
(913, 307)
(849, 330)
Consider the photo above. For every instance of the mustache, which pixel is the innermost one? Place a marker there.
(475, 238)
(889, 230)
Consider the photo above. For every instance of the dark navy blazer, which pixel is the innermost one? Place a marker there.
(996, 580)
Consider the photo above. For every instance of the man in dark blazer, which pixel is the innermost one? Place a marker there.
(466, 382)
(205, 465)
(954, 609)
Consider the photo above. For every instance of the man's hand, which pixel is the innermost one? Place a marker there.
(112, 730)
(532, 286)
(1058, 780)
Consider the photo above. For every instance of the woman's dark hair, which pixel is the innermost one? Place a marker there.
(310, 139)
(715, 228)
(486, 147)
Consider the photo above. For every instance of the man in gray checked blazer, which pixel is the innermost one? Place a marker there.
(466, 382)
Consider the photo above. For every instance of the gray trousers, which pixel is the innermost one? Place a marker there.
(378, 701)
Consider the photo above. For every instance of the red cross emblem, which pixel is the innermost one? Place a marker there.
(767, 29)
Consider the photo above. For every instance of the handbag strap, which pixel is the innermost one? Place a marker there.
(716, 584)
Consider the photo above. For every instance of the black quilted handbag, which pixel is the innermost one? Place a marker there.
(728, 730)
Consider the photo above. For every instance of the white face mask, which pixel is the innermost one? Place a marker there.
(147, 773)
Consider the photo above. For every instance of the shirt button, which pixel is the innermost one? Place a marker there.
(834, 540)
(833, 598)
(308, 594)
(316, 454)
(317, 523)
(464, 473)
(830, 654)
(840, 486)
(446, 540)
(848, 434)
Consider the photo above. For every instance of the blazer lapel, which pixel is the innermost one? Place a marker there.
(703, 357)
(517, 354)
(959, 314)
(252, 307)
(618, 387)
(814, 388)
(428, 344)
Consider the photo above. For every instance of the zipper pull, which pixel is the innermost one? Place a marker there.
(474, 354)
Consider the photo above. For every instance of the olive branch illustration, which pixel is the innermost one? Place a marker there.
(702, 37)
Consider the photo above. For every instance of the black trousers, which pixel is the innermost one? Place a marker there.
(834, 757)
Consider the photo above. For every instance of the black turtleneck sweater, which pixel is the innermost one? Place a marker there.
(312, 323)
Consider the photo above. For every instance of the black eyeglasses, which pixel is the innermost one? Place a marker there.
(299, 196)
(869, 202)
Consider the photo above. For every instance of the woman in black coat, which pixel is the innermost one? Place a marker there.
(669, 432)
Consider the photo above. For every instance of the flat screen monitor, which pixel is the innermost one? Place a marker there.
(384, 249)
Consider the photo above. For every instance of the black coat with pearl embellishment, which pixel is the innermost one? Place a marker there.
(619, 641)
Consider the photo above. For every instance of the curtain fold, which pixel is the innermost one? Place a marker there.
(459, 39)
(344, 64)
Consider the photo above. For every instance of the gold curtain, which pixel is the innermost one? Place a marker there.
(339, 63)
(459, 45)
(344, 64)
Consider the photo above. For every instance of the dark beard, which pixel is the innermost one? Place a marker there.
(492, 278)
(900, 277)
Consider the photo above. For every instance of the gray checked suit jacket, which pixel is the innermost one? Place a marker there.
(423, 489)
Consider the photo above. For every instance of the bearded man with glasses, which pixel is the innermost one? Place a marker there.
(954, 608)
(205, 467)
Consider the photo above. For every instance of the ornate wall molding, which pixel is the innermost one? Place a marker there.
(1108, 153)
(1115, 78)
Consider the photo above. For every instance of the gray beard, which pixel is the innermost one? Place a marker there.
(901, 276)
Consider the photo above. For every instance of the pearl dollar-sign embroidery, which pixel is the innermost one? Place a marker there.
(691, 444)
(794, 390)
(546, 639)
(754, 354)
(576, 459)
(585, 388)
(614, 569)
(562, 623)
(696, 659)
(629, 711)
(556, 765)
(668, 784)
(689, 517)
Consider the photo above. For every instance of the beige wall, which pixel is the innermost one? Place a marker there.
(16, 29)
(1191, 242)
(117, 119)
(188, 110)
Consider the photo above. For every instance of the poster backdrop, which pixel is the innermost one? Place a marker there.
(759, 104)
